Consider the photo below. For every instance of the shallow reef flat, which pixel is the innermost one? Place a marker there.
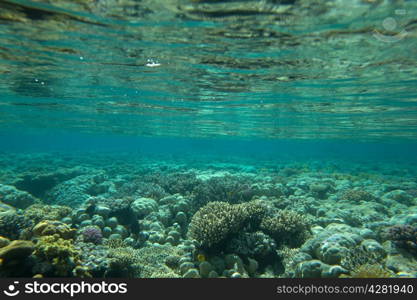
(124, 215)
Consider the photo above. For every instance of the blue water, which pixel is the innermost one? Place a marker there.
(344, 150)
(138, 93)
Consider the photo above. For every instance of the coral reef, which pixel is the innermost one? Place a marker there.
(15, 250)
(225, 188)
(158, 221)
(123, 262)
(153, 261)
(40, 212)
(38, 183)
(357, 195)
(13, 224)
(216, 221)
(365, 262)
(58, 228)
(256, 245)
(404, 236)
(286, 227)
(75, 191)
(369, 271)
(16, 198)
(92, 234)
(15, 258)
(55, 256)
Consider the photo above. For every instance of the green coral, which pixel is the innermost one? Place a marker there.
(14, 259)
(16, 250)
(147, 262)
(358, 256)
(124, 262)
(216, 221)
(286, 227)
(364, 264)
(115, 243)
(48, 227)
(58, 253)
(41, 212)
(14, 225)
(357, 195)
(153, 260)
(369, 271)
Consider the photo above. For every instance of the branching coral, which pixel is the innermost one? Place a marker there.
(358, 256)
(286, 227)
(172, 183)
(115, 243)
(252, 244)
(214, 222)
(153, 261)
(124, 262)
(358, 195)
(403, 236)
(228, 188)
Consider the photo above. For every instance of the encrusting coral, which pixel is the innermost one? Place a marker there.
(13, 258)
(57, 255)
(369, 271)
(13, 224)
(40, 212)
(48, 227)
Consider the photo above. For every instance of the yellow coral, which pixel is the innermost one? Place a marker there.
(369, 271)
(40, 212)
(48, 227)
(201, 257)
(60, 253)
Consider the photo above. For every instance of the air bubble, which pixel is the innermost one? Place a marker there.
(152, 63)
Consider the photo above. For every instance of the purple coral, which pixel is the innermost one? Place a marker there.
(92, 235)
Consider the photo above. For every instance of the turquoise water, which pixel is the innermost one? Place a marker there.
(306, 106)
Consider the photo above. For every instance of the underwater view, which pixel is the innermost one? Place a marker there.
(208, 138)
